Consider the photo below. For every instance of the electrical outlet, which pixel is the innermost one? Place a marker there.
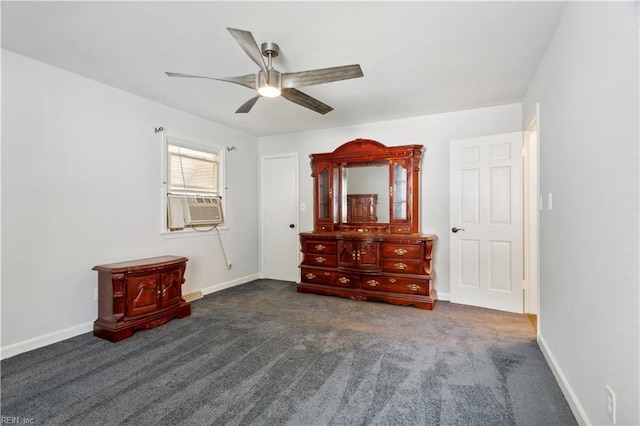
(610, 404)
(95, 294)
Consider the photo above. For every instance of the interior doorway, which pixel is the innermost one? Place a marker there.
(532, 206)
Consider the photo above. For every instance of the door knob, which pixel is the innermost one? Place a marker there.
(454, 230)
(292, 226)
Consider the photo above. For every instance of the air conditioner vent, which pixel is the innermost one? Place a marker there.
(190, 210)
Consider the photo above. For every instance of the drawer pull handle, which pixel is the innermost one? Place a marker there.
(373, 283)
(320, 247)
(320, 259)
(392, 280)
(310, 276)
(400, 265)
(413, 287)
(344, 280)
(400, 252)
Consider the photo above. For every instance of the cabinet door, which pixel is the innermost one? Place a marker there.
(142, 294)
(399, 191)
(171, 290)
(368, 255)
(347, 252)
(326, 195)
(363, 255)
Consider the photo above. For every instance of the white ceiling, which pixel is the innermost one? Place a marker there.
(418, 58)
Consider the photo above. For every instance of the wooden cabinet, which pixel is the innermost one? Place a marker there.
(139, 294)
(362, 207)
(366, 243)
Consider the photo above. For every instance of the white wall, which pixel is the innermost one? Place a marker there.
(434, 132)
(587, 87)
(81, 186)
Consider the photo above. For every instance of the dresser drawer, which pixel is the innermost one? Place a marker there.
(396, 285)
(406, 266)
(318, 259)
(335, 278)
(400, 251)
(319, 246)
(400, 229)
(325, 227)
(315, 276)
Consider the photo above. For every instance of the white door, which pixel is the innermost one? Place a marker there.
(280, 250)
(485, 179)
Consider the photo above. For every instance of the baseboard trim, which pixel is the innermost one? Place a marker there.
(228, 284)
(190, 297)
(44, 340)
(567, 390)
(67, 333)
(445, 297)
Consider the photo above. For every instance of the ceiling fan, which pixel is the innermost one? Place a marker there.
(271, 83)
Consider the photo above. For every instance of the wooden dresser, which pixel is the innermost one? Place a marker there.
(139, 294)
(364, 256)
(378, 267)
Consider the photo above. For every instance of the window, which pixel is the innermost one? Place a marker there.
(193, 185)
(191, 171)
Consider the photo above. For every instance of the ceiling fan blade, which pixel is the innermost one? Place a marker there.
(248, 43)
(305, 100)
(320, 76)
(246, 107)
(248, 80)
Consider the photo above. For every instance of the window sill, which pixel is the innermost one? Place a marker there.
(189, 233)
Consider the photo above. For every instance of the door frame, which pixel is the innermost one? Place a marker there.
(531, 210)
(296, 196)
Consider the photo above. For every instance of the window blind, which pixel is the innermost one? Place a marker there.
(192, 171)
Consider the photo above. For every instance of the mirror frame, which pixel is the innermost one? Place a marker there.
(360, 152)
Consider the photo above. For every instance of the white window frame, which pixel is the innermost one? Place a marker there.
(171, 138)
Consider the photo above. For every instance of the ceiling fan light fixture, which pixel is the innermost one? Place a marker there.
(269, 83)
(269, 91)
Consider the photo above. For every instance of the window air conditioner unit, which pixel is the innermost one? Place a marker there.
(194, 210)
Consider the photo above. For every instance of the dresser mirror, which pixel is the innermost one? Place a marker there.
(366, 184)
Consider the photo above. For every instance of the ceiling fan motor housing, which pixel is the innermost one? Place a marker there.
(270, 49)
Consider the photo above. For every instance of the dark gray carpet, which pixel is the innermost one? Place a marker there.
(263, 354)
